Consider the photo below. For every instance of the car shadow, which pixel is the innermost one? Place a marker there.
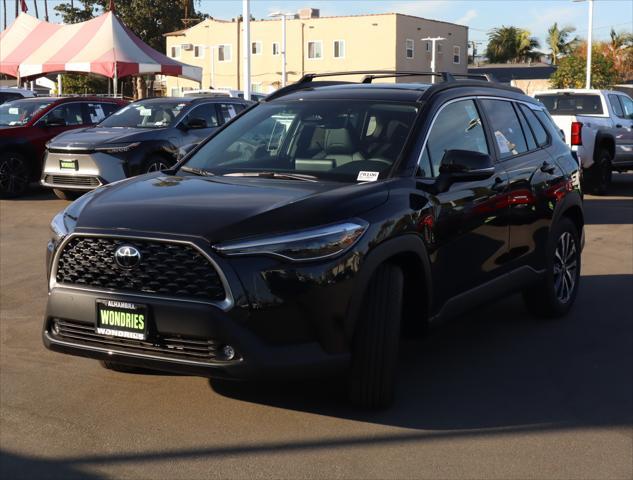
(34, 192)
(496, 368)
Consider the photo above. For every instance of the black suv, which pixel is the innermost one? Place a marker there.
(309, 233)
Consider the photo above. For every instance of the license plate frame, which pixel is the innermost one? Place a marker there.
(121, 319)
(71, 164)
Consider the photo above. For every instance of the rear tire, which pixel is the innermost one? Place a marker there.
(555, 294)
(67, 194)
(14, 175)
(598, 177)
(376, 340)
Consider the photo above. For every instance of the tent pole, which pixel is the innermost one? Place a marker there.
(59, 84)
(115, 81)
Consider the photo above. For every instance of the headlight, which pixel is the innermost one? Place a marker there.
(301, 246)
(118, 148)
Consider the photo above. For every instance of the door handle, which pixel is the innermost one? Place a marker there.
(619, 125)
(547, 168)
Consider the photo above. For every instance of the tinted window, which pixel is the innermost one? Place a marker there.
(109, 108)
(571, 104)
(325, 139)
(457, 127)
(627, 104)
(69, 112)
(506, 127)
(537, 129)
(228, 111)
(206, 112)
(615, 105)
(548, 121)
(96, 113)
(19, 112)
(527, 132)
(7, 97)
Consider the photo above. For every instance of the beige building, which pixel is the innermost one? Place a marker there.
(314, 44)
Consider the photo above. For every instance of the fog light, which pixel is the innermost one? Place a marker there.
(228, 352)
(56, 327)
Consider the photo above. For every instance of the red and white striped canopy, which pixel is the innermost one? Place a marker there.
(103, 45)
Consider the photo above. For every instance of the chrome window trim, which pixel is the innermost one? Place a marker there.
(81, 102)
(472, 97)
(224, 305)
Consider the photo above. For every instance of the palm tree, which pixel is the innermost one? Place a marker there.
(559, 42)
(511, 45)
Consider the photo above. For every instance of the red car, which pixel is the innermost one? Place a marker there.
(26, 126)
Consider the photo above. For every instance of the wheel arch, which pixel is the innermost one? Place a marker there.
(571, 207)
(409, 253)
(604, 140)
(28, 152)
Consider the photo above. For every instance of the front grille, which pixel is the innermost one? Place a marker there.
(198, 349)
(74, 180)
(168, 269)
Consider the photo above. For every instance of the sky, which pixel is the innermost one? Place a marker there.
(480, 15)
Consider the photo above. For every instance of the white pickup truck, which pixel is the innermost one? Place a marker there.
(598, 127)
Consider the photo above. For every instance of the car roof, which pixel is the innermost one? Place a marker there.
(402, 92)
(190, 100)
(58, 100)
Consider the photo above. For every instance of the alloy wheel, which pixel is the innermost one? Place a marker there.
(13, 175)
(565, 267)
(157, 166)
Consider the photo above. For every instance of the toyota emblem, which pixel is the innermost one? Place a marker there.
(127, 256)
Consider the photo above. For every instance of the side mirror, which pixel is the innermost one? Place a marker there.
(195, 123)
(54, 122)
(466, 165)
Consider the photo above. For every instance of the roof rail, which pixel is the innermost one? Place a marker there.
(475, 76)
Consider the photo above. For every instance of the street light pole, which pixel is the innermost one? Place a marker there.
(432, 40)
(284, 75)
(246, 14)
(589, 43)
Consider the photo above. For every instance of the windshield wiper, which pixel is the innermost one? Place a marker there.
(280, 175)
(197, 171)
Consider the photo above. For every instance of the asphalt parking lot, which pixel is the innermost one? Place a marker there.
(494, 394)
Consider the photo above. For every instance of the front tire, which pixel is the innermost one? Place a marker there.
(556, 293)
(376, 340)
(155, 164)
(14, 175)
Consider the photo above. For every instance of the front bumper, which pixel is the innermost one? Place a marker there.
(172, 325)
(93, 170)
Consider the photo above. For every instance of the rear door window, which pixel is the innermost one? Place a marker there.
(615, 105)
(537, 129)
(572, 104)
(506, 127)
(228, 111)
(206, 112)
(109, 108)
(627, 105)
(71, 113)
(95, 113)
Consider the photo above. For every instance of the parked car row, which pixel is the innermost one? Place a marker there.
(76, 144)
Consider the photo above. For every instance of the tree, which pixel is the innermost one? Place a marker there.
(559, 42)
(511, 45)
(571, 71)
(620, 50)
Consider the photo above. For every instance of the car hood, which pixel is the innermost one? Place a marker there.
(223, 208)
(91, 137)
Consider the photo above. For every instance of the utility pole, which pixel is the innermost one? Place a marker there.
(433, 40)
(46, 10)
(284, 74)
(589, 43)
(37, 14)
(4, 11)
(246, 14)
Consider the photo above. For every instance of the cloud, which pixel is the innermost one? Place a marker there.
(467, 17)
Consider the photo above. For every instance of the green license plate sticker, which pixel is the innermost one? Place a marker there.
(68, 165)
(121, 319)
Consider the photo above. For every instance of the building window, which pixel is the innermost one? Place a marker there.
(276, 49)
(224, 53)
(257, 87)
(339, 48)
(409, 46)
(256, 48)
(439, 47)
(175, 51)
(456, 54)
(428, 47)
(198, 51)
(315, 50)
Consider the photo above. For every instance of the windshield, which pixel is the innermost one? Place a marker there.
(346, 141)
(19, 112)
(145, 115)
(571, 104)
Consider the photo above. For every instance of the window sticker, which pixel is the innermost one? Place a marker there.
(96, 113)
(145, 112)
(367, 176)
(14, 111)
